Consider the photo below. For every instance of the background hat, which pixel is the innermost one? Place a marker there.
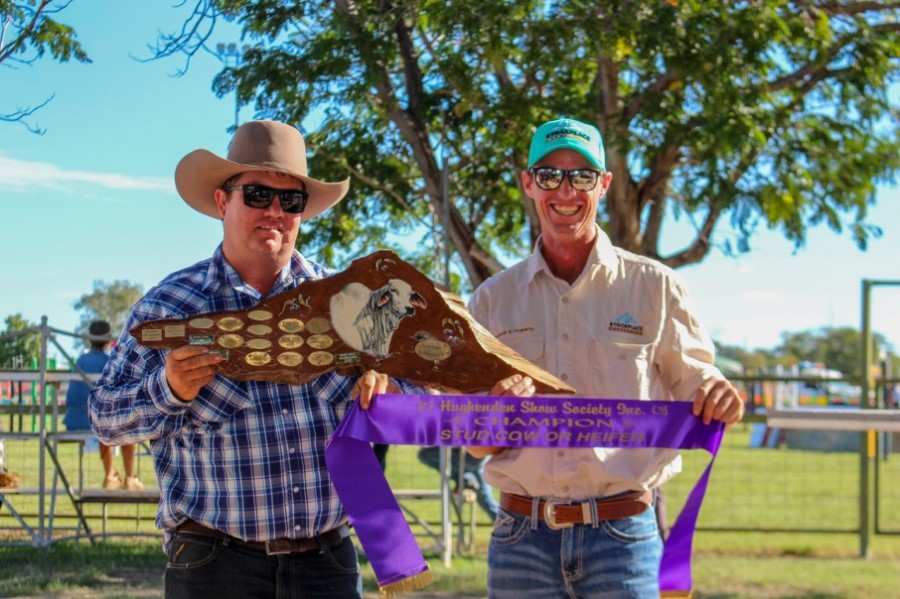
(256, 146)
(568, 133)
(99, 328)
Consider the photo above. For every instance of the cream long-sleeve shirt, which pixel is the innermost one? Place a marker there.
(625, 329)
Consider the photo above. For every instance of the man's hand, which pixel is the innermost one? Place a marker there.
(372, 383)
(188, 369)
(717, 399)
(515, 385)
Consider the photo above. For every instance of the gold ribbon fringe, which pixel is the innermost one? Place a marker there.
(413, 583)
(676, 594)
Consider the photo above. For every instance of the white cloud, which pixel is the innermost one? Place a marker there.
(23, 174)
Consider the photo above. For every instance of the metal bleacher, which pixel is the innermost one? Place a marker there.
(31, 420)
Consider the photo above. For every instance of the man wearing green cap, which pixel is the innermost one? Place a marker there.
(578, 522)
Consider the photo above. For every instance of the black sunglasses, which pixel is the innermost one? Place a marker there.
(581, 179)
(260, 196)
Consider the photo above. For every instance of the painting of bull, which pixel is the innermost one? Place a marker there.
(366, 319)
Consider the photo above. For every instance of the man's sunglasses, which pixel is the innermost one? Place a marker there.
(260, 196)
(581, 179)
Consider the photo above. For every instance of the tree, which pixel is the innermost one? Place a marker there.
(756, 360)
(111, 302)
(837, 348)
(27, 32)
(19, 351)
(758, 114)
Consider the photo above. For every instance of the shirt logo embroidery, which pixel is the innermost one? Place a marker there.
(626, 323)
(511, 331)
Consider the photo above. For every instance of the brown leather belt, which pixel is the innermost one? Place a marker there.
(273, 547)
(559, 513)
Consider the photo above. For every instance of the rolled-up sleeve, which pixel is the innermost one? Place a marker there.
(132, 400)
(686, 354)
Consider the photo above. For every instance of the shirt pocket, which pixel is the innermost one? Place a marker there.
(529, 346)
(622, 369)
(219, 404)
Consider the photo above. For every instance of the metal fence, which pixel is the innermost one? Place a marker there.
(829, 479)
(766, 478)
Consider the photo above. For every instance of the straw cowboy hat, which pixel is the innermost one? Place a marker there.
(257, 146)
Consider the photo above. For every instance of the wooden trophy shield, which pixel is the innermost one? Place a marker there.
(379, 314)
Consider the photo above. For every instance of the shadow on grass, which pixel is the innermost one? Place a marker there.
(68, 569)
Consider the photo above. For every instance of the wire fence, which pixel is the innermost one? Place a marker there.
(764, 479)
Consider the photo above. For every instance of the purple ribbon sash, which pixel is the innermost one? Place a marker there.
(462, 420)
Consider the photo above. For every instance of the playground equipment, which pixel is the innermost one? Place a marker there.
(828, 388)
(806, 384)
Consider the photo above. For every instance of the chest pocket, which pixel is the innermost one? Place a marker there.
(623, 369)
(530, 346)
(224, 399)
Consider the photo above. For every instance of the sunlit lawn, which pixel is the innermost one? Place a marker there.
(793, 490)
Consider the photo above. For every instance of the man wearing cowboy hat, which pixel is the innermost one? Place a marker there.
(246, 502)
(76, 418)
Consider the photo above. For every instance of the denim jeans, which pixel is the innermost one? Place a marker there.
(617, 559)
(204, 567)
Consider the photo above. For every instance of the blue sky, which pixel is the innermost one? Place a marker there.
(93, 198)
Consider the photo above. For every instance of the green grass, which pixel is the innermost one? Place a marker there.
(66, 569)
(803, 493)
(750, 488)
(792, 566)
(23, 458)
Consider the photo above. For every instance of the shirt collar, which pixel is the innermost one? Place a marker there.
(603, 255)
(221, 274)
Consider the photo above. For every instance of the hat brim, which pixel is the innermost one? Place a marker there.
(201, 172)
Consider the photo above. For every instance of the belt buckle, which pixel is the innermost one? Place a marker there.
(278, 547)
(550, 515)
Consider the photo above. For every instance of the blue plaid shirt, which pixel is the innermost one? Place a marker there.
(244, 458)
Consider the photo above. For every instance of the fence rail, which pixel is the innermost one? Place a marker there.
(770, 476)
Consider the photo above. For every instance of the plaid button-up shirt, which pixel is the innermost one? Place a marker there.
(244, 458)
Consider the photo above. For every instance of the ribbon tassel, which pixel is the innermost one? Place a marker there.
(407, 585)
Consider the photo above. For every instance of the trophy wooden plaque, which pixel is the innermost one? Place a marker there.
(379, 314)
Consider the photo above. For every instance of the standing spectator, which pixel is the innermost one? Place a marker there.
(473, 475)
(76, 418)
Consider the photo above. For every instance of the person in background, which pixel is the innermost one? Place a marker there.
(76, 418)
(247, 503)
(473, 474)
(613, 325)
(380, 450)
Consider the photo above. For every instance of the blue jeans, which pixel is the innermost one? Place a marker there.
(205, 567)
(617, 559)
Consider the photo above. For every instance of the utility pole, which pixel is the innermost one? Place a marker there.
(231, 56)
